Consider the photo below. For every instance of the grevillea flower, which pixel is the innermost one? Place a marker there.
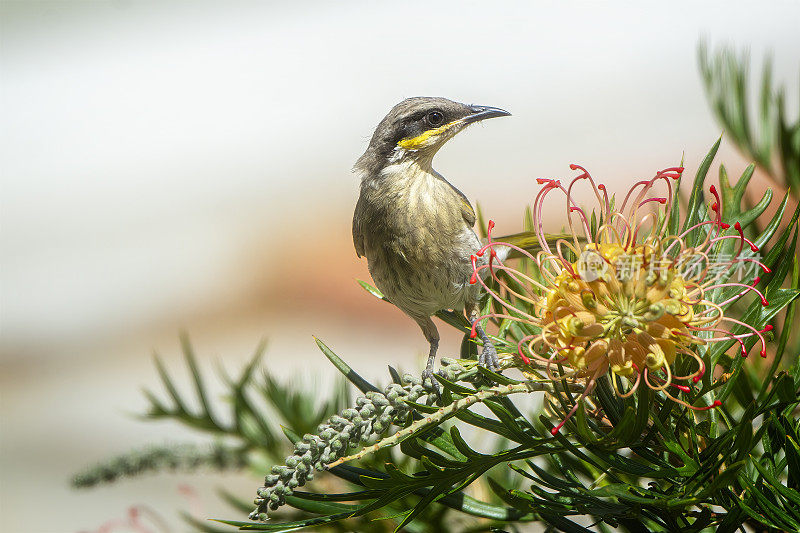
(621, 295)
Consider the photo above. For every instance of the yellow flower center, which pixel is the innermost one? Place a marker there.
(618, 309)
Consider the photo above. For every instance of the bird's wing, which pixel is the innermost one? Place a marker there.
(358, 235)
(467, 212)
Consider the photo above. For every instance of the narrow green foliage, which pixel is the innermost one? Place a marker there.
(180, 457)
(774, 141)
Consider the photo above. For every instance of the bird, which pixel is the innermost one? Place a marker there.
(413, 226)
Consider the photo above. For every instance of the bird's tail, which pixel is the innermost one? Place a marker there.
(528, 241)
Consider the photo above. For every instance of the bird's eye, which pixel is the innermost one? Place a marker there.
(435, 118)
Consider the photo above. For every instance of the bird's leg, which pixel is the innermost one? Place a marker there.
(488, 356)
(432, 336)
(428, 372)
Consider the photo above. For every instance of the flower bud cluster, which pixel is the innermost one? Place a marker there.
(374, 414)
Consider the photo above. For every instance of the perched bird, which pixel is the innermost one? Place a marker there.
(412, 225)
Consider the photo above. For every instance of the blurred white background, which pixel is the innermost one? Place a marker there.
(186, 165)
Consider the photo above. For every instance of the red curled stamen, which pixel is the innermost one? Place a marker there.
(661, 201)
(716, 403)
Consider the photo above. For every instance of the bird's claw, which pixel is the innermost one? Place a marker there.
(488, 358)
(427, 375)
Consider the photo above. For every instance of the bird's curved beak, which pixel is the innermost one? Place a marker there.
(480, 112)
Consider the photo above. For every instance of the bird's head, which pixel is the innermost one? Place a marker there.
(418, 127)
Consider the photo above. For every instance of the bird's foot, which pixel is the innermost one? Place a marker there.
(430, 383)
(488, 357)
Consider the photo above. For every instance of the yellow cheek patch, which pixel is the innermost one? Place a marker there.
(421, 140)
